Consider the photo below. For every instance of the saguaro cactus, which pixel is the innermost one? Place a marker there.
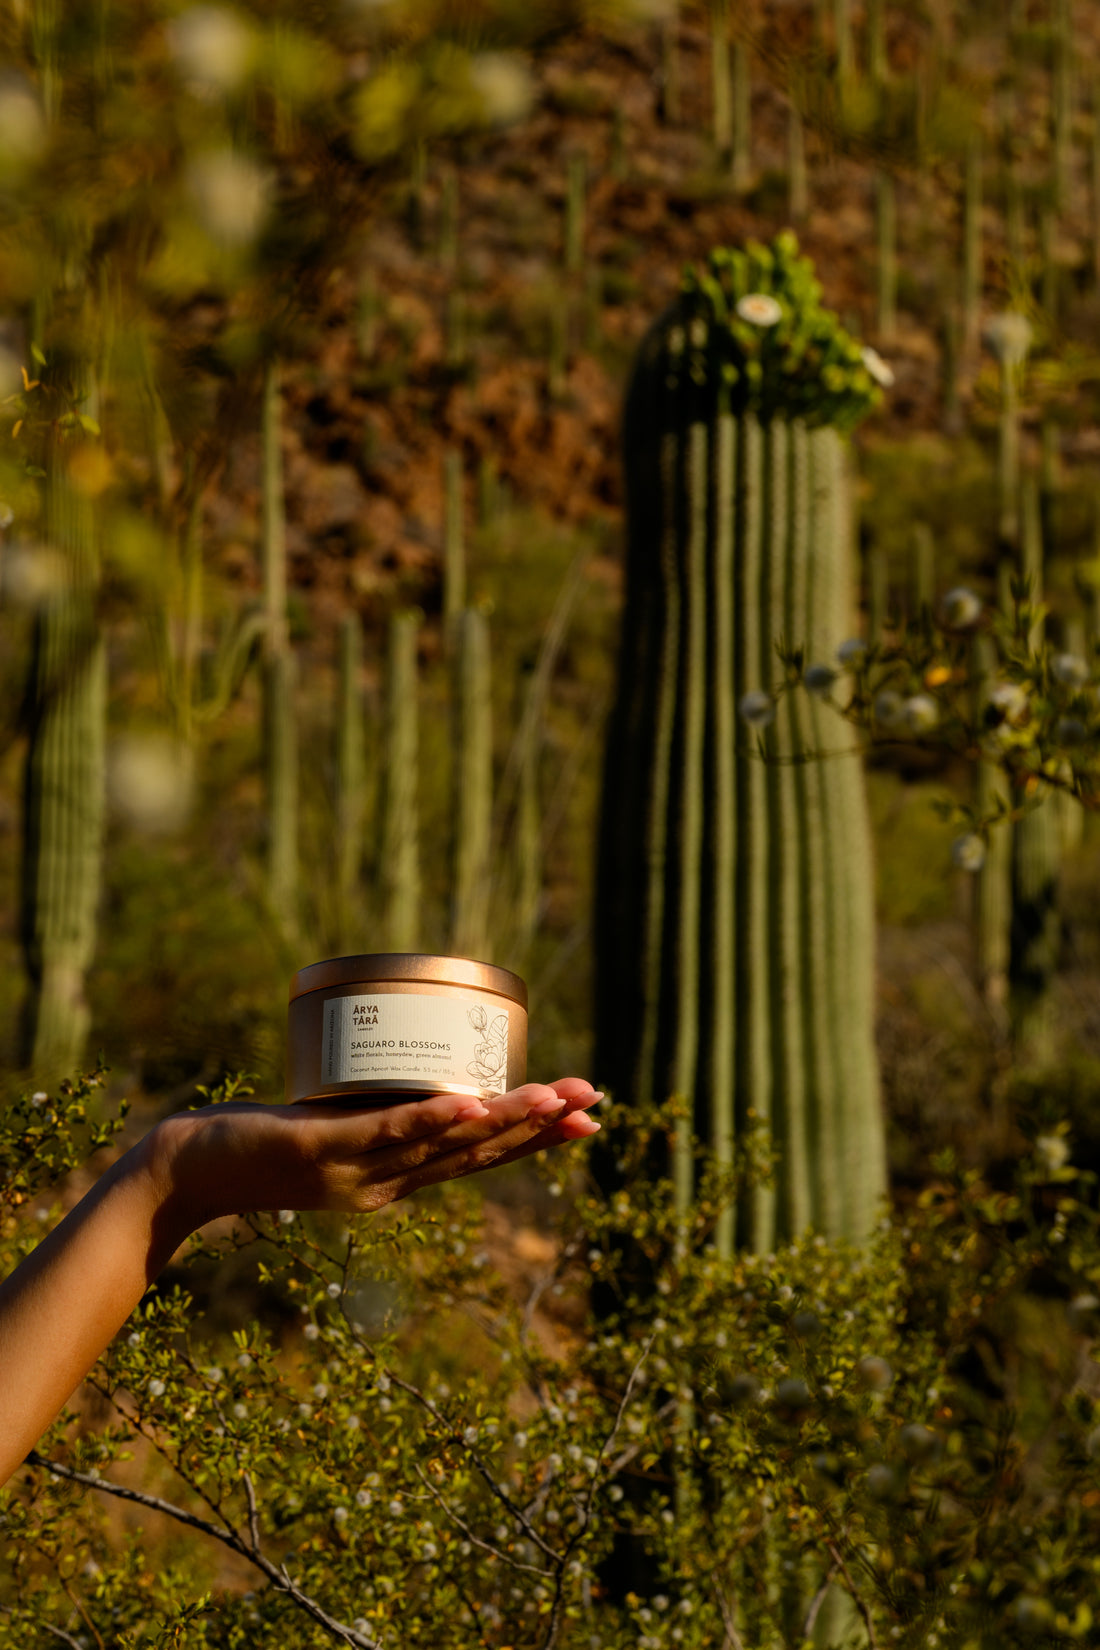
(280, 676)
(350, 778)
(473, 789)
(64, 789)
(734, 916)
(400, 868)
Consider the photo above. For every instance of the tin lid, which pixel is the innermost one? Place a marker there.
(384, 966)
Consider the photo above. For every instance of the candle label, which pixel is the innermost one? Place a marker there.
(413, 1038)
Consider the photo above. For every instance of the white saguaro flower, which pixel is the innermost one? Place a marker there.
(757, 709)
(503, 83)
(968, 852)
(213, 47)
(960, 609)
(1009, 699)
(1009, 337)
(1069, 669)
(760, 309)
(880, 370)
(231, 195)
(921, 713)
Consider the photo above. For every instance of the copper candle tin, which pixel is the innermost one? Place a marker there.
(400, 1023)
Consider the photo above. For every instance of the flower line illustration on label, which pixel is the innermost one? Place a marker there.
(490, 1061)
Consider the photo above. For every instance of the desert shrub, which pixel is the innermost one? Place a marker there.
(914, 1424)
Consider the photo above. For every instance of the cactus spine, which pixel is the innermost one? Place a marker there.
(734, 922)
(400, 869)
(64, 790)
(473, 788)
(280, 675)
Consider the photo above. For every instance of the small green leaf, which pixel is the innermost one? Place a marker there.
(38, 355)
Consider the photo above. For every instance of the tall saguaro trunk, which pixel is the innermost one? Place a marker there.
(64, 789)
(734, 904)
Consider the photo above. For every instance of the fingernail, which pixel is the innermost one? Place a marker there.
(544, 1108)
(472, 1108)
(588, 1124)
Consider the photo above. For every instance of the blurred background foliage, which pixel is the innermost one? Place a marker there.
(440, 234)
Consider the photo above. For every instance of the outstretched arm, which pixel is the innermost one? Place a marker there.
(61, 1307)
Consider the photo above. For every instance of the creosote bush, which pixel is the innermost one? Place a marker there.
(819, 1414)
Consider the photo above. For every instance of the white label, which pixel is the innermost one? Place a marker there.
(410, 1037)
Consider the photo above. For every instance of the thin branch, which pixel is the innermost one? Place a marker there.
(584, 1518)
(475, 1540)
(278, 1577)
(856, 1598)
(816, 1602)
(497, 1489)
(48, 1627)
(253, 1513)
(734, 1641)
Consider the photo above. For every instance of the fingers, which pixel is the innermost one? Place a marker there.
(339, 1132)
(540, 1129)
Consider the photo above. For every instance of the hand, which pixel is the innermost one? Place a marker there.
(59, 1308)
(232, 1158)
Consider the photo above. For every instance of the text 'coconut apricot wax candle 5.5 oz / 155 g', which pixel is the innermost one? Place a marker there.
(399, 1023)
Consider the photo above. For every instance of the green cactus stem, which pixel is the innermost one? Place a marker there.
(842, 39)
(993, 882)
(448, 220)
(798, 189)
(669, 100)
(886, 239)
(64, 786)
(473, 789)
(721, 89)
(734, 920)
(455, 329)
(1061, 97)
(279, 673)
(1048, 262)
(281, 763)
(741, 171)
(1094, 184)
(1036, 926)
(972, 244)
(924, 571)
(878, 595)
(454, 540)
(878, 67)
(526, 836)
(350, 778)
(367, 314)
(576, 189)
(617, 163)
(400, 861)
